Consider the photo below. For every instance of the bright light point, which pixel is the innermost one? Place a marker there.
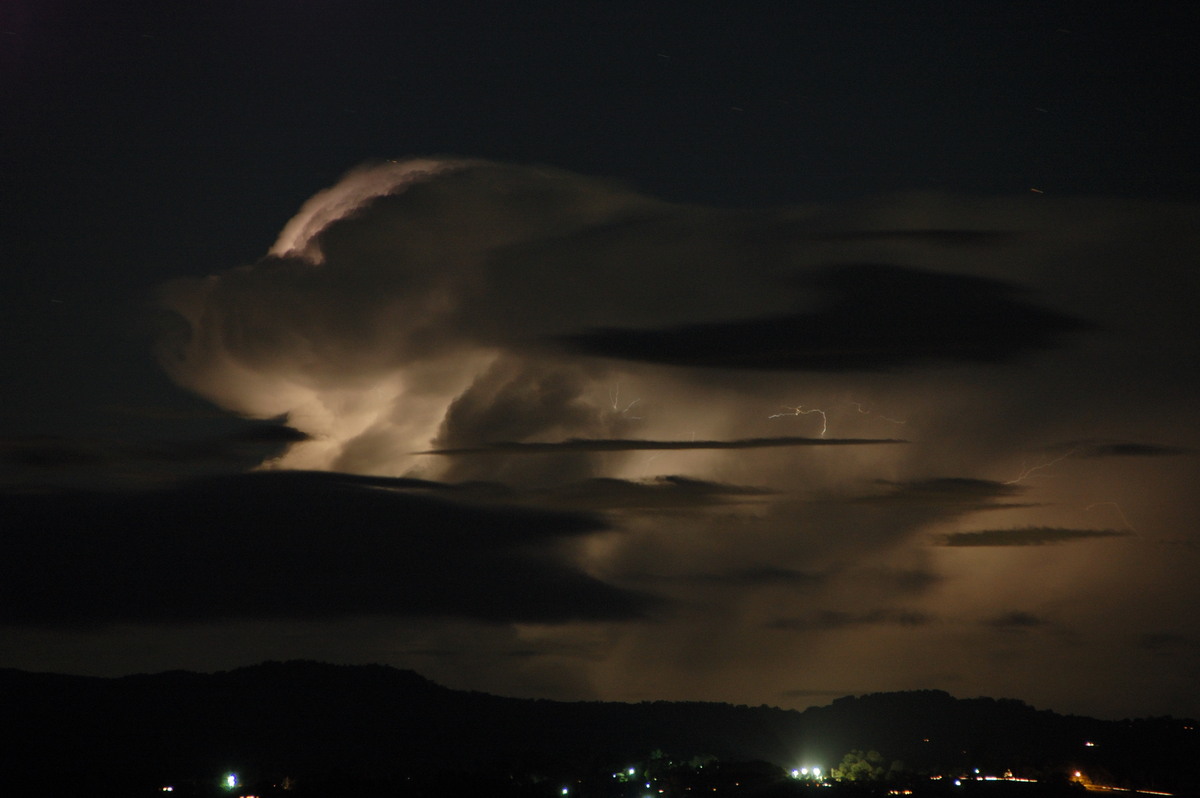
(1090, 745)
(631, 771)
(566, 790)
(231, 781)
(817, 772)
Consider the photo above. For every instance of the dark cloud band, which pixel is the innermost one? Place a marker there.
(626, 445)
(290, 545)
(1028, 536)
(873, 317)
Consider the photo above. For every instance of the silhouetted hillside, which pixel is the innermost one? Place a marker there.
(305, 717)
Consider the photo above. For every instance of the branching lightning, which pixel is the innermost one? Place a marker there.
(614, 398)
(1028, 472)
(799, 410)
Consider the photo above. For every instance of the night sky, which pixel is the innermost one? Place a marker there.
(761, 353)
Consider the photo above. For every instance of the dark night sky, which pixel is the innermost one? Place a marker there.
(727, 229)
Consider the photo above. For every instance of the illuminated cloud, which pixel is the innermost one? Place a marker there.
(490, 339)
(418, 303)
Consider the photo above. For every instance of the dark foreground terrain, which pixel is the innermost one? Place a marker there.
(304, 728)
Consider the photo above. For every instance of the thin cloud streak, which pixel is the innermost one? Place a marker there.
(1028, 536)
(618, 445)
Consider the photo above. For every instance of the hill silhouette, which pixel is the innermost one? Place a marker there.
(375, 721)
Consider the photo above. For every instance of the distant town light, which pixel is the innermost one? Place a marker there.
(231, 781)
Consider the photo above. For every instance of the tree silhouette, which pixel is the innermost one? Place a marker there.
(857, 766)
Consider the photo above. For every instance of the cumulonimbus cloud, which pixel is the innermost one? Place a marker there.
(565, 342)
(448, 301)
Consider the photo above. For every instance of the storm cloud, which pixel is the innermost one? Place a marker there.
(734, 421)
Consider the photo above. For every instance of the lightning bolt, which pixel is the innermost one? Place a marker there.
(1024, 475)
(649, 460)
(859, 407)
(614, 398)
(799, 410)
(1115, 506)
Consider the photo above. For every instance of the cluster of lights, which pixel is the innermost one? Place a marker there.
(1008, 776)
(806, 773)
